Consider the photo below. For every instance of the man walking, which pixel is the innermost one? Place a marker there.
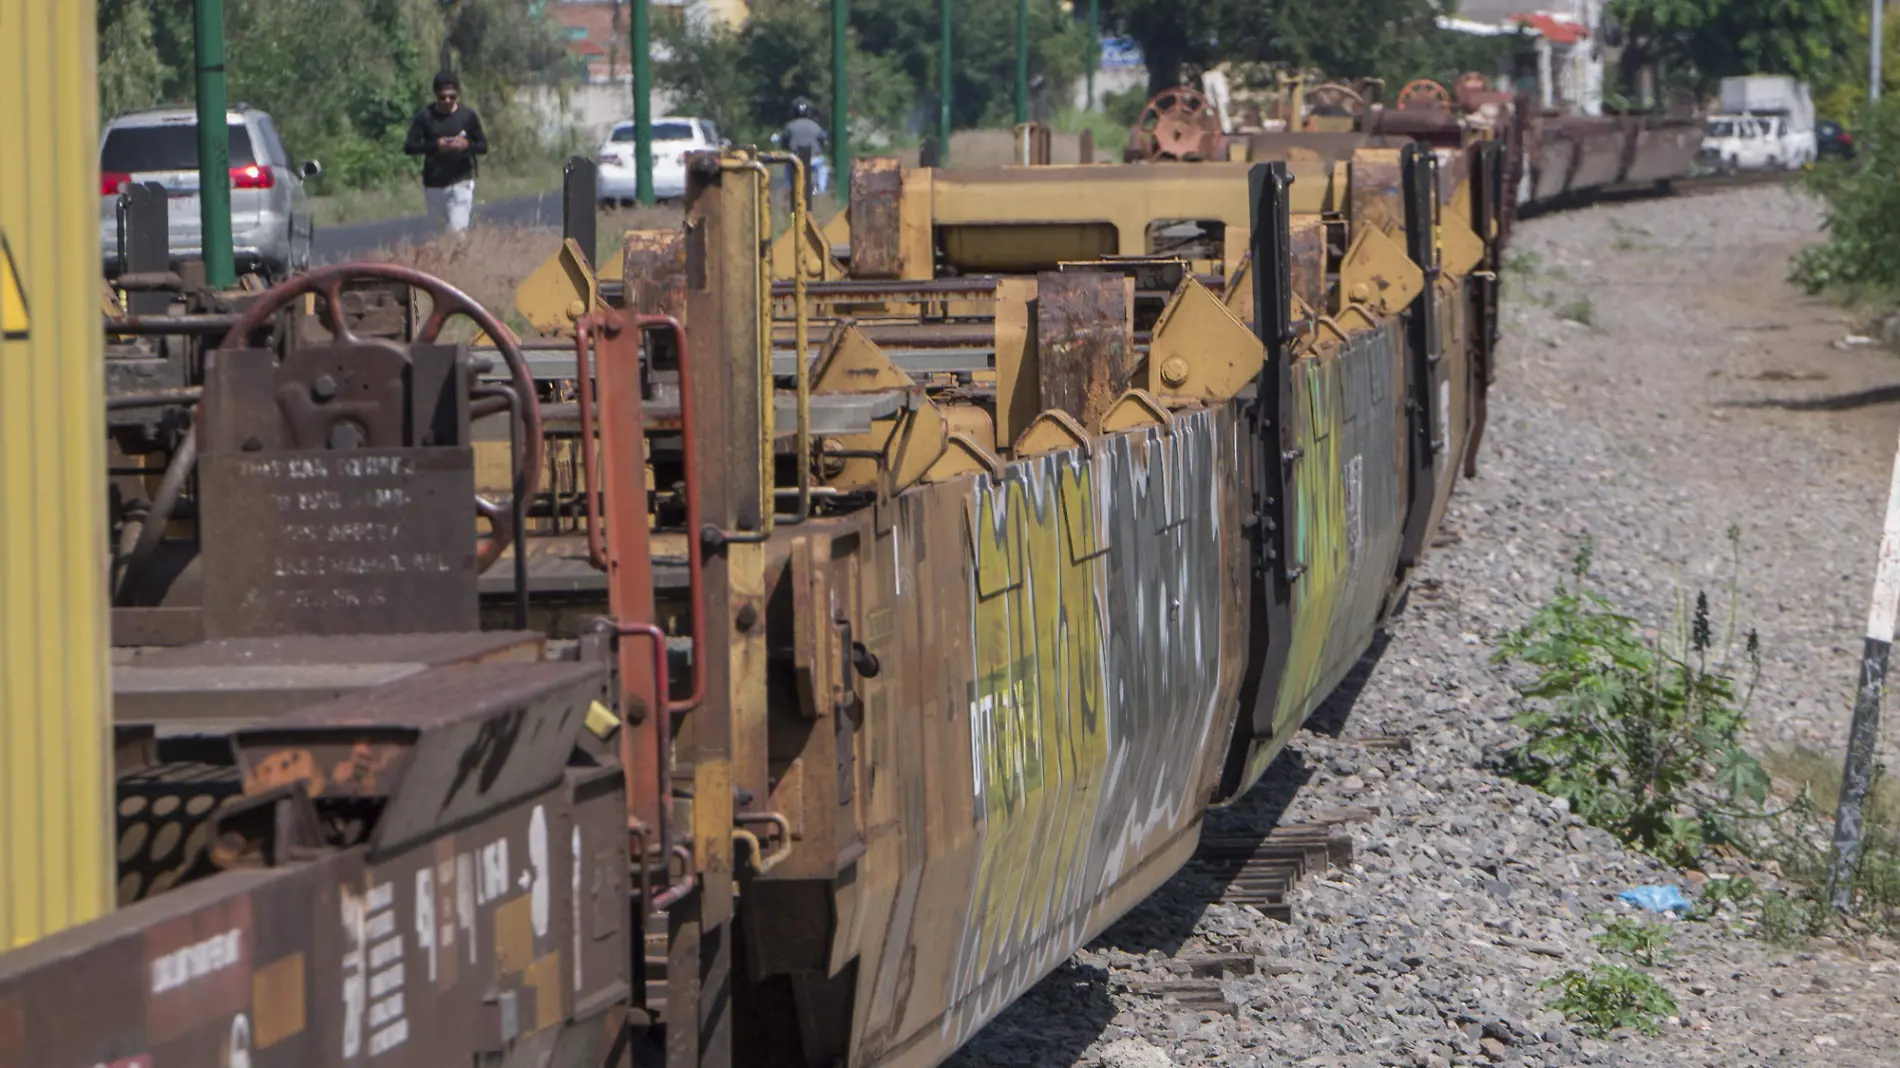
(448, 135)
(804, 137)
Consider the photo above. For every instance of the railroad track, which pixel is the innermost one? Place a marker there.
(1698, 184)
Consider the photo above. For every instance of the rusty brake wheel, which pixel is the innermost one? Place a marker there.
(1424, 93)
(1176, 123)
(447, 302)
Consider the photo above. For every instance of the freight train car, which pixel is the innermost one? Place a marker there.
(942, 590)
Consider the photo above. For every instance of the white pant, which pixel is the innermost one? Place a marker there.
(449, 206)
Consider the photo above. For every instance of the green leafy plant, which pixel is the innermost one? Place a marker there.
(1645, 943)
(1859, 260)
(1609, 996)
(1640, 736)
(1581, 311)
(1737, 890)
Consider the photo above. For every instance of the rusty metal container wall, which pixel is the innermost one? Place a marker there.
(54, 698)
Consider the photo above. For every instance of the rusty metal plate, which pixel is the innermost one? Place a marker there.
(501, 938)
(445, 746)
(654, 268)
(877, 188)
(1084, 343)
(368, 541)
(1308, 258)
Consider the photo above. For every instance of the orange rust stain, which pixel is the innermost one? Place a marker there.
(283, 767)
(358, 773)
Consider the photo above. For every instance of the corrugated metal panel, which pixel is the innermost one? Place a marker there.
(55, 701)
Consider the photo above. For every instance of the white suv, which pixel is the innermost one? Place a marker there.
(270, 212)
(673, 138)
(1746, 142)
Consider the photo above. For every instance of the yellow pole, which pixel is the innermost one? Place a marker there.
(56, 860)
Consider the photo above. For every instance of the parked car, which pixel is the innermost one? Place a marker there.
(1756, 142)
(271, 222)
(673, 138)
(1832, 141)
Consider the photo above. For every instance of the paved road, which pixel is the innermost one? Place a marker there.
(335, 244)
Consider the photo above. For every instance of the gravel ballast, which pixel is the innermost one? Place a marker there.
(1699, 390)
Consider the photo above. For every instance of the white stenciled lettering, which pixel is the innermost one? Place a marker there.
(381, 897)
(386, 980)
(382, 925)
(194, 962)
(384, 952)
(425, 916)
(389, 1038)
(494, 871)
(355, 981)
(385, 1011)
(465, 900)
(538, 860)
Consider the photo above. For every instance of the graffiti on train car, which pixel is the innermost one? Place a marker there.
(1100, 587)
(1348, 513)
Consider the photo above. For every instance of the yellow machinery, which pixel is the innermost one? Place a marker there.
(55, 760)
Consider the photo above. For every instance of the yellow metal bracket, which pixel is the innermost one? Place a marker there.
(1200, 348)
(1239, 293)
(1052, 431)
(1135, 409)
(1354, 318)
(559, 292)
(1377, 272)
(909, 442)
(964, 456)
(1459, 246)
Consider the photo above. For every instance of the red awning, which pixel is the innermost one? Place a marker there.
(1554, 29)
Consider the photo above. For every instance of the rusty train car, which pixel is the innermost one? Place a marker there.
(788, 660)
(1554, 158)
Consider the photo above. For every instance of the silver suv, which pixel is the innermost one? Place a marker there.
(270, 212)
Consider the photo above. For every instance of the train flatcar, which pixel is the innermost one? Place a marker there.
(937, 591)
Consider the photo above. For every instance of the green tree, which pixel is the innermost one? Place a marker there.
(1392, 39)
(983, 50)
(1700, 42)
(745, 79)
(131, 72)
(340, 77)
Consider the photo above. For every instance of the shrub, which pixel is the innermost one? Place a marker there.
(1641, 737)
(1609, 996)
(1859, 256)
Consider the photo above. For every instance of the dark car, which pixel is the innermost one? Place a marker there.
(1832, 142)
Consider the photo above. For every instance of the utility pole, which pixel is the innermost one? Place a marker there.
(1875, 47)
(1095, 46)
(944, 82)
(214, 146)
(1857, 773)
(1022, 61)
(642, 105)
(840, 94)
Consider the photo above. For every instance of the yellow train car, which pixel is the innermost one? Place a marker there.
(55, 756)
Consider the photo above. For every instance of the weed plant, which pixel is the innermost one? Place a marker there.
(1611, 996)
(1640, 736)
(1645, 943)
(1643, 738)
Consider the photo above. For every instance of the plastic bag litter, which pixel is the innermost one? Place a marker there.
(1655, 898)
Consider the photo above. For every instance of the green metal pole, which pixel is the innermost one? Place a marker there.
(840, 93)
(642, 105)
(1095, 46)
(944, 83)
(214, 147)
(1022, 61)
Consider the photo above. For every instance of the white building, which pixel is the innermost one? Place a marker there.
(1567, 48)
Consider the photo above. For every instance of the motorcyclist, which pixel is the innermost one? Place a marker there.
(804, 135)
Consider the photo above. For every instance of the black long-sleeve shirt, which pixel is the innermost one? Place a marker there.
(441, 168)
